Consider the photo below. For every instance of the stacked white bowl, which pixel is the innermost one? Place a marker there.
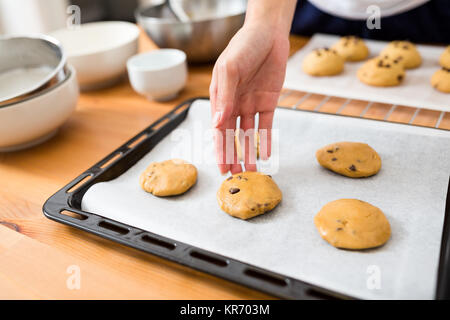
(99, 51)
(38, 90)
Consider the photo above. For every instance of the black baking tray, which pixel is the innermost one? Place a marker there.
(65, 207)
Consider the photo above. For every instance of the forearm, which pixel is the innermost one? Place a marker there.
(276, 14)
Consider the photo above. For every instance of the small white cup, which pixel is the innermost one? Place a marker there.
(158, 74)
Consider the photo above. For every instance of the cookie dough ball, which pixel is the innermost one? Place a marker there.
(352, 224)
(248, 194)
(404, 52)
(351, 48)
(168, 178)
(381, 72)
(441, 80)
(444, 59)
(323, 62)
(350, 159)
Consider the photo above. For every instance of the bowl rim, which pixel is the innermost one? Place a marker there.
(132, 67)
(166, 21)
(129, 40)
(71, 73)
(54, 74)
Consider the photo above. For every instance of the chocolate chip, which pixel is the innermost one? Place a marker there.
(266, 204)
(269, 176)
(334, 159)
(388, 65)
(380, 63)
(259, 205)
(400, 77)
(352, 168)
(339, 229)
(234, 190)
(330, 151)
(406, 47)
(239, 177)
(229, 178)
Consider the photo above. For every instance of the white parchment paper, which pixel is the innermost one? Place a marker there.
(410, 189)
(415, 91)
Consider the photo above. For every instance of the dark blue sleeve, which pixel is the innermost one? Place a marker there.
(429, 23)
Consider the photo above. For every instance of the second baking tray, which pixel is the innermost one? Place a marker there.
(118, 226)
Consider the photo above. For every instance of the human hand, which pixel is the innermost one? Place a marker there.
(247, 79)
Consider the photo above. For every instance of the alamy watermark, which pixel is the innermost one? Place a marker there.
(73, 281)
(74, 19)
(373, 281)
(374, 17)
(198, 145)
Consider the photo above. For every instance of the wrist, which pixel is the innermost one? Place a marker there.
(275, 15)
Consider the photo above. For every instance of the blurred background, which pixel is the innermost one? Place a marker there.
(42, 16)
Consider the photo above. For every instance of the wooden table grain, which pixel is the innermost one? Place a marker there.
(39, 258)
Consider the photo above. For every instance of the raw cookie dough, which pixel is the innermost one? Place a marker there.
(248, 194)
(381, 72)
(239, 148)
(323, 62)
(351, 159)
(351, 48)
(441, 80)
(168, 178)
(404, 52)
(444, 59)
(352, 224)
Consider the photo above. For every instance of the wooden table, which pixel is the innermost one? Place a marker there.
(38, 256)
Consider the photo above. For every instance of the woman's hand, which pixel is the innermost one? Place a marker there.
(247, 79)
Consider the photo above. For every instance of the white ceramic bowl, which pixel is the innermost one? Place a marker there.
(158, 74)
(37, 118)
(99, 50)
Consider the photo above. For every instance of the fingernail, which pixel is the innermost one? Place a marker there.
(216, 118)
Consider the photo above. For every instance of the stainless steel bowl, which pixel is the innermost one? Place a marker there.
(212, 25)
(29, 64)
